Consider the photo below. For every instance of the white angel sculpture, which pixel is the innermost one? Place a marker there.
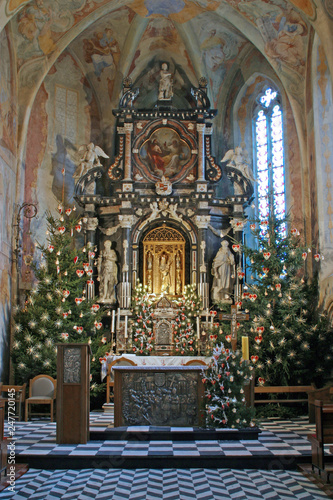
(239, 159)
(90, 159)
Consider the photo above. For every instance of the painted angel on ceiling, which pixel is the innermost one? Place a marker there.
(89, 159)
(238, 158)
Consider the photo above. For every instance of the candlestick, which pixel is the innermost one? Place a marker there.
(245, 347)
(113, 320)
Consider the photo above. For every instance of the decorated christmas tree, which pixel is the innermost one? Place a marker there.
(185, 325)
(289, 338)
(142, 322)
(60, 306)
(224, 382)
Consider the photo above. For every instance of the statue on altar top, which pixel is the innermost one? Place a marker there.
(165, 85)
(222, 270)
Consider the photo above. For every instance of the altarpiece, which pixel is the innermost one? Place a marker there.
(155, 207)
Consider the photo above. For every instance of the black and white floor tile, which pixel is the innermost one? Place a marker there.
(167, 484)
(278, 437)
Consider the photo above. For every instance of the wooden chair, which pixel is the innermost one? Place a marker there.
(324, 394)
(323, 436)
(110, 377)
(42, 391)
(14, 393)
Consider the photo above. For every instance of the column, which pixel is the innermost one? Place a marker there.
(128, 152)
(202, 222)
(126, 222)
(201, 152)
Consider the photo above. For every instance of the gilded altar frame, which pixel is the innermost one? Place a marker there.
(164, 261)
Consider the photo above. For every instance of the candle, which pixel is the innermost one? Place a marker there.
(198, 327)
(118, 319)
(245, 347)
(113, 320)
(126, 320)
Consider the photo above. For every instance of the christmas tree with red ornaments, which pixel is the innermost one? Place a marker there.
(61, 306)
(289, 335)
(185, 324)
(142, 334)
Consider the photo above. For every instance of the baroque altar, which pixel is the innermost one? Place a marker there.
(156, 214)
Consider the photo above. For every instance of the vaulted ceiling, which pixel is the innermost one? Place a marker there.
(110, 40)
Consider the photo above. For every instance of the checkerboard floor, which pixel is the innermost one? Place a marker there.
(278, 437)
(170, 484)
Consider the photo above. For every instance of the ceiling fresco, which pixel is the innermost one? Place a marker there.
(115, 39)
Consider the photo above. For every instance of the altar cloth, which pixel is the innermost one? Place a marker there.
(152, 361)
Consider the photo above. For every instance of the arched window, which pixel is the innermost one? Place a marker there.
(269, 156)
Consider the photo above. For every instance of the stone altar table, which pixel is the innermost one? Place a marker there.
(158, 395)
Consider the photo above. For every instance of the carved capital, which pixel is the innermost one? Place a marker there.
(128, 127)
(91, 223)
(126, 221)
(201, 127)
(202, 221)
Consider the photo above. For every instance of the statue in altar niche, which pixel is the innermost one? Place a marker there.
(107, 273)
(164, 268)
(223, 269)
(165, 86)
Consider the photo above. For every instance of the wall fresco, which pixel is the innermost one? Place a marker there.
(219, 46)
(60, 122)
(7, 189)
(99, 51)
(323, 126)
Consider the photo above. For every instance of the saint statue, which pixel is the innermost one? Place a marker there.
(222, 270)
(164, 268)
(165, 86)
(107, 273)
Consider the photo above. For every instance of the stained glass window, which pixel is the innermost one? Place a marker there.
(269, 157)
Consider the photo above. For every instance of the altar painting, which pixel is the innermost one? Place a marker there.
(165, 153)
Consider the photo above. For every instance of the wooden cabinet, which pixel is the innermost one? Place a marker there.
(73, 393)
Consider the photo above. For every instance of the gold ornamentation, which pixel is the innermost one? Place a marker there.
(164, 258)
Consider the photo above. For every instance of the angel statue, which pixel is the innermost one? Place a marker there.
(90, 159)
(239, 159)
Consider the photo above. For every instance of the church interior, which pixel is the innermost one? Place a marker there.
(166, 248)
